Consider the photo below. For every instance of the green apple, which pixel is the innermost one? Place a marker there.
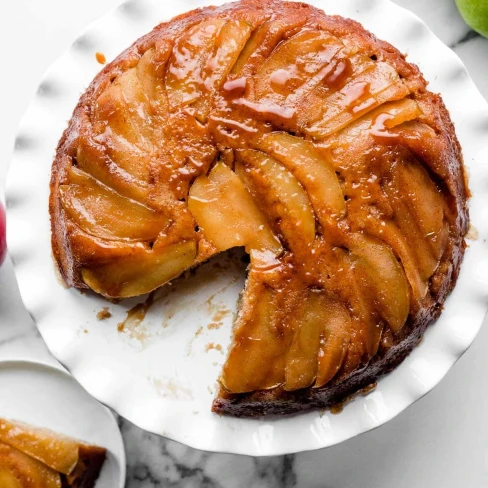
(475, 13)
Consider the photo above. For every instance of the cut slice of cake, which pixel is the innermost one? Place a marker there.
(31, 457)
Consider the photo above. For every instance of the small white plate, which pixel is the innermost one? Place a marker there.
(44, 396)
(161, 374)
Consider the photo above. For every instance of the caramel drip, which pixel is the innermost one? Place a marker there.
(136, 315)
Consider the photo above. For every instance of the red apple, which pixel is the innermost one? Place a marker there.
(3, 241)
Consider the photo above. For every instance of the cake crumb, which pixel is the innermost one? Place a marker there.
(101, 58)
(190, 344)
(104, 314)
(199, 331)
(220, 314)
(215, 325)
(121, 327)
(218, 317)
(473, 233)
(212, 345)
(171, 388)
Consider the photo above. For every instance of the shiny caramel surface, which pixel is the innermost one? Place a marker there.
(18, 470)
(280, 130)
(53, 450)
(32, 457)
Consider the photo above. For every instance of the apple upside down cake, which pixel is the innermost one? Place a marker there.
(304, 139)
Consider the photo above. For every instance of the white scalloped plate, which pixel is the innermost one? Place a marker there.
(47, 396)
(162, 374)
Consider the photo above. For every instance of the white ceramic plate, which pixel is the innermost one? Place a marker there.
(162, 374)
(44, 396)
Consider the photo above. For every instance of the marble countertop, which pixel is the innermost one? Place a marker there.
(439, 441)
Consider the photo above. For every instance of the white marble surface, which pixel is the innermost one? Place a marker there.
(439, 441)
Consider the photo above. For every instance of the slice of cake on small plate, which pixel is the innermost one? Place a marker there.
(33, 457)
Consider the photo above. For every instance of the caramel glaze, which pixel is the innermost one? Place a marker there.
(38, 458)
(353, 164)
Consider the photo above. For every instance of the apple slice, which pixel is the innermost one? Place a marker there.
(361, 95)
(125, 108)
(256, 359)
(58, 452)
(150, 73)
(129, 157)
(382, 279)
(334, 341)
(257, 356)
(319, 344)
(146, 74)
(126, 126)
(407, 223)
(332, 354)
(366, 325)
(281, 194)
(357, 135)
(311, 169)
(389, 232)
(301, 360)
(8, 479)
(422, 249)
(294, 62)
(227, 214)
(140, 270)
(102, 212)
(18, 470)
(92, 157)
(230, 43)
(425, 203)
(348, 66)
(291, 70)
(185, 81)
(262, 43)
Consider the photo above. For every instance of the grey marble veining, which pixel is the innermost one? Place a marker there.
(154, 461)
(438, 441)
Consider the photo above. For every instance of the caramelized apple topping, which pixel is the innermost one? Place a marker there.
(273, 134)
(381, 276)
(321, 338)
(335, 337)
(33, 457)
(59, 453)
(102, 212)
(313, 171)
(18, 470)
(281, 195)
(142, 270)
(227, 214)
